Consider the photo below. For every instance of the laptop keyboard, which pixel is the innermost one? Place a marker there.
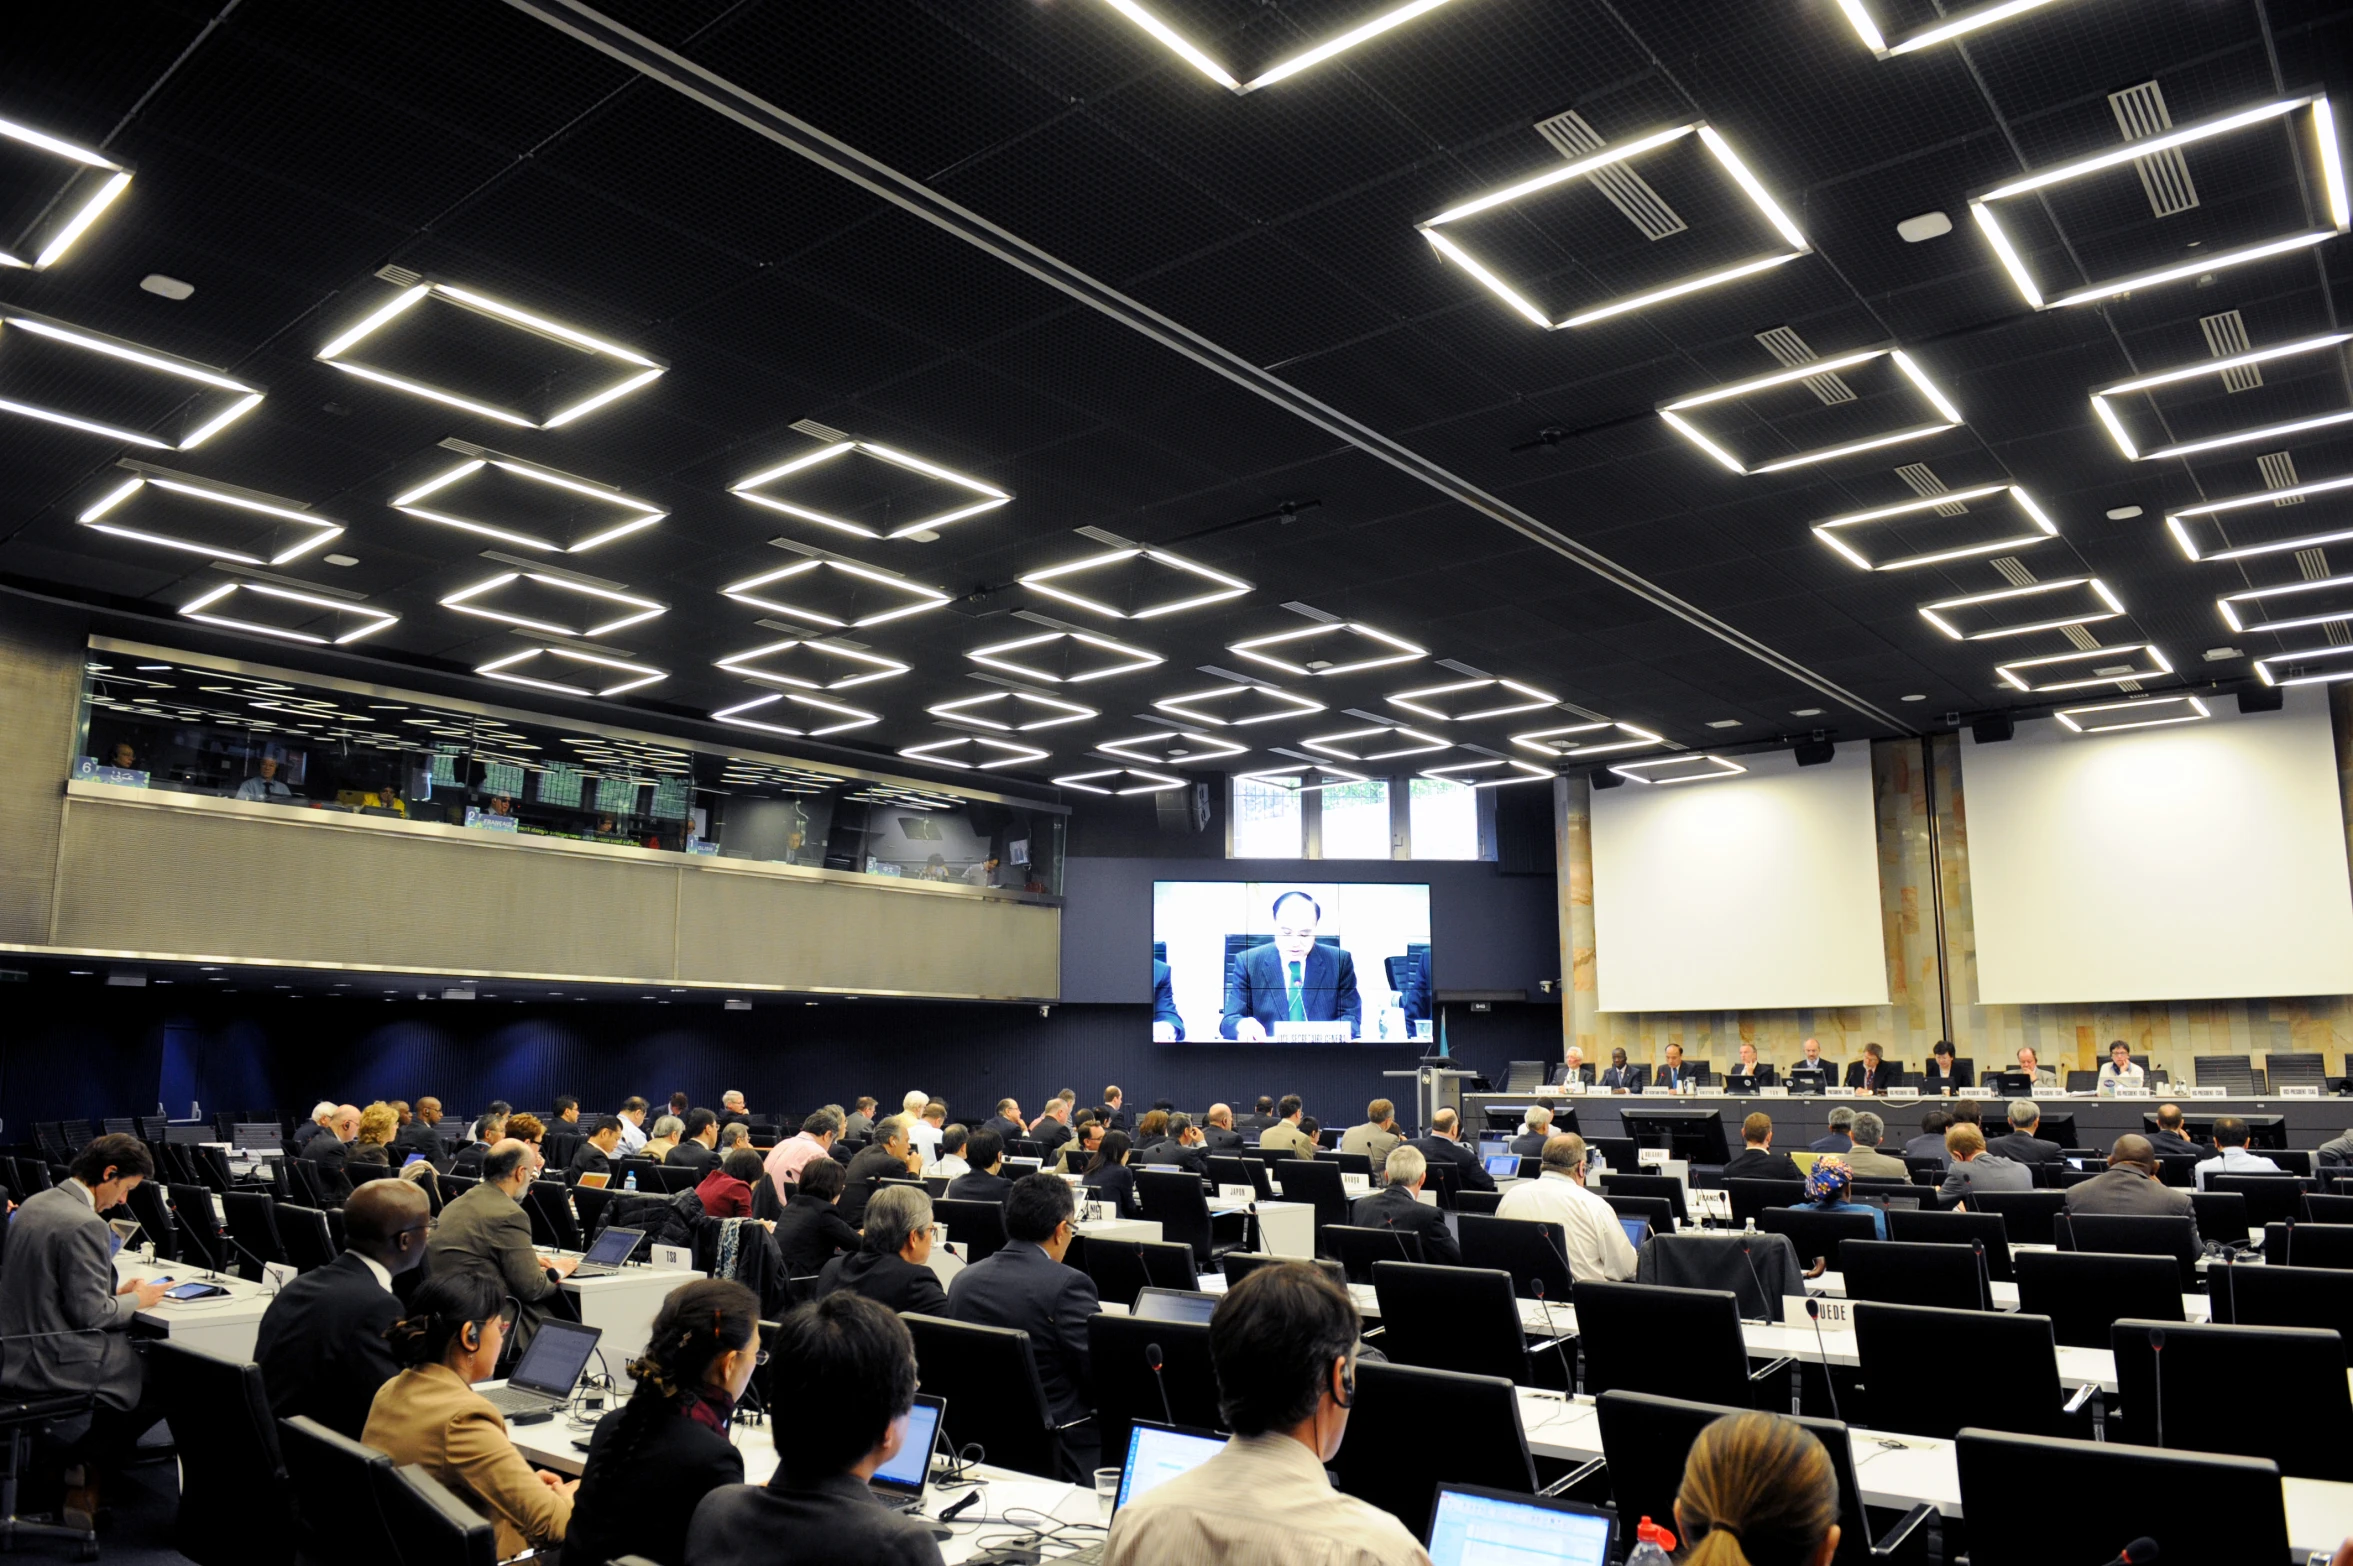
(519, 1400)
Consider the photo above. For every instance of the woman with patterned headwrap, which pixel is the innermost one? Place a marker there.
(1827, 1189)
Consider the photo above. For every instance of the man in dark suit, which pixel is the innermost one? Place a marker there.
(1184, 1149)
(1756, 1159)
(985, 1181)
(1025, 1285)
(2021, 1145)
(488, 1131)
(321, 1347)
(1621, 1077)
(595, 1156)
(1530, 1144)
(1445, 1142)
(331, 1148)
(486, 1230)
(1219, 1136)
(1052, 1128)
(1110, 1112)
(2169, 1140)
(1872, 1074)
(1167, 1026)
(2129, 1185)
(322, 1114)
(1290, 978)
(1672, 1073)
(1395, 1208)
(1841, 1137)
(698, 1149)
(1008, 1123)
(1746, 1068)
(421, 1136)
(1260, 1117)
(884, 1158)
(1945, 1074)
(892, 1263)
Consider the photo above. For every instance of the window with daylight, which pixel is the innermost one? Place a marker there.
(1267, 821)
(1356, 820)
(1443, 819)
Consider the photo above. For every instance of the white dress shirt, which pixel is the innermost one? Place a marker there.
(632, 1137)
(925, 1138)
(946, 1167)
(1598, 1250)
(2111, 1078)
(1263, 1501)
(2235, 1160)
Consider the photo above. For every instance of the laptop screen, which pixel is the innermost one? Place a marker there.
(1157, 1454)
(558, 1353)
(1490, 1528)
(906, 1474)
(1637, 1230)
(613, 1247)
(1490, 1146)
(1174, 1305)
(1504, 1166)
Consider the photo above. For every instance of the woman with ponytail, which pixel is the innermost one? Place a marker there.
(1758, 1490)
(431, 1415)
(654, 1458)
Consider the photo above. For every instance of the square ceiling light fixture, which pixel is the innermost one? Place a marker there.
(1380, 647)
(1055, 582)
(2206, 532)
(2113, 420)
(1594, 163)
(1110, 781)
(1377, 742)
(972, 751)
(590, 611)
(775, 664)
(571, 672)
(2147, 712)
(224, 522)
(2004, 518)
(1378, 20)
(1304, 778)
(1944, 30)
(1169, 749)
(1239, 706)
(1013, 712)
(2075, 671)
(1509, 697)
(631, 369)
(1947, 416)
(2326, 600)
(822, 716)
(224, 400)
(1576, 741)
(1495, 772)
(466, 495)
(1679, 769)
(2019, 611)
(997, 656)
(286, 614)
(2328, 160)
(93, 181)
(852, 596)
(750, 489)
(2312, 666)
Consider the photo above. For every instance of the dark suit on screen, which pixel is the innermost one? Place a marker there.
(1164, 998)
(321, 1347)
(1257, 986)
(1395, 1208)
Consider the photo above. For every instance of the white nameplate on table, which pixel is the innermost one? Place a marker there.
(1837, 1315)
(2127, 1092)
(1237, 1193)
(1772, 1092)
(1651, 1157)
(1840, 1091)
(1289, 1032)
(2209, 1092)
(1977, 1092)
(673, 1258)
(275, 1276)
(1906, 1094)
(2306, 1091)
(1356, 1184)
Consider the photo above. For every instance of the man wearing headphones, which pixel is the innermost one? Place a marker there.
(1283, 1343)
(1292, 978)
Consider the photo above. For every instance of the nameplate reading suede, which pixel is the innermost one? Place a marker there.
(1837, 1315)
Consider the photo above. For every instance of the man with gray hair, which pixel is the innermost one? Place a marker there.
(2021, 1145)
(1597, 1248)
(888, 1157)
(892, 1267)
(1841, 1138)
(1530, 1144)
(1867, 1161)
(485, 1230)
(1396, 1208)
(321, 1113)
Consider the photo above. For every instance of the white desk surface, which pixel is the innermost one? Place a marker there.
(2005, 1295)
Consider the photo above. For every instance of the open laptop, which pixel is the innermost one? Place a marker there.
(1493, 1146)
(1174, 1305)
(1155, 1454)
(1475, 1526)
(543, 1379)
(1637, 1231)
(1504, 1166)
(612, 1248)
(902, 1482)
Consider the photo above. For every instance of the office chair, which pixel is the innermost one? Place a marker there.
(1646, 1440)
(2308, 1244)
(1237, 1265)
(1242, 1169)
(1127, 1390)
(1679, 1343)
(2234, 1074)
(78, 1134)
(1893, 1342)
(147, 1204)
(236, 1501)
(590, 1204)
(1168, 1265)
(977, 1226)
(2086, 1499)
(1663, 1186)
(1175, 1200)
(429, 1525)
(1357, 1248)
(2179, 1170)
(336, 1489)
(198, 1229)
(308, 1242)
(1464, 1319)
(1818, 1236)
(2211, 1374)
(2085, 1293)
(1116, 1266)
(2027, 1215)
(1927, 1226)
(1656, 1211)
(2271, 1198)
(1897, 1272)
(1483, 1203)
(253, 1226)
(2126, 1234)
(2222, 1215)
(2285, 1069)
(24, 1421)
(2281, 1296)
(2293, 1160)
(1317, 1182)
(551, 1215)
(989, 1376)
(1750, 1198)
(1389, 1459)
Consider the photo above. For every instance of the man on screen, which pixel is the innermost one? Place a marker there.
(1290, 978)
(1167, 1026)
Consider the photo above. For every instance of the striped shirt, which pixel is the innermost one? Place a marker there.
(1263, 1501)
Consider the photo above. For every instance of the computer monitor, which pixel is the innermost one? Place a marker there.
(1174, 1305)
(1504, 1166)
(1637, 1231)
(1474, 1526)
(558, 1353)
(902, 1479)
(1158, 1453)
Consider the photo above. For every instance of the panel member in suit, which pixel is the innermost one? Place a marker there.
(1008, 1122)
(1747, 1069)
(2020, 1145)
(1945, 1075)
(321, 1348)
(2045, 1079)
(1621, 1077)
(1574, 1068)
(1672, 1073)
(1051, 1129)
(1445, 1142)
(421, 1134)
(1872, 1074)
(1026, 1286)
(2130, 1185)
(1219, 1136)
(1167, 1026)
(2120, 1071)
(1291, 977)
(1285, 1132)
(892, 1265)
(1394, 1207)
(1185, 1148)
(1756, 1159)
(486, 1231)
(984, 1181)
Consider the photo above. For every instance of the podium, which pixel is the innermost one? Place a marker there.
(1437, 1084)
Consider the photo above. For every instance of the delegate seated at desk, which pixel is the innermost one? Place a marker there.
(1290, 978)
(1747, 1068)
(2120, 1072)
(266, 786)
(1945, 1074)
(1167, 1026)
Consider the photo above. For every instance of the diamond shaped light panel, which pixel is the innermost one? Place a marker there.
(286, 614)
(1683, 417)
(2244, 526)
(1063, 657)
(1376, 742)
(199, 517)
(530, 600)
(1356, 648)
(223, 400)
(974, 751)
(796, 715)
(2147, 712)
(839, 594)
(1958, 524)
(1469, 701)
(1302, 778)
(1948, 26)
(1013, 712)
(2017, 611)
(1679, 769)
(773, 488)
(2075, 671)
(1377, 19)
(1084, 583)
(1238, 706)
(811, 665)
(484, 491)
(571, 672)
(91, 183)
(1574, 741)
(1490, 772)
(1119, 780)
(2117, 415)
(1171, 749)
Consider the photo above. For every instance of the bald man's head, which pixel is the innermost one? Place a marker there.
(2133, 1148)
(384, 1220)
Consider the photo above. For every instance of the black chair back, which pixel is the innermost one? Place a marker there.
(1126, 1390)
(1356, 1249)
(1237, 1265)
(1464, 1319)
(2034, 1500)
(1656, 1211)
(551, 1213)
(1529, 1251)
(1484, 1203)
(1665, 1187)
(1905, 1272)
(1175, 1199)
(2209, 1371)
(1390, 1460)
(1682, 1343)
(2222, 1215)
(1168, 1265)
(2277, 1296)
(2308, 1244)
(199, 1229)
(977, 1226)
(2029, 1216)
(2142, 1234)
(147, 1204)
(2319, 1207)
(2085, 1293)
(989, 1377)
(236, 1503)
(336, 1487)
(590, 1203)
(427, 1523)
(2178, 1169)
(1116, 1266)
(1750, 1198)
(308, 1241)
(1241, 1169)
(1893, 1341)
(253, 1224)
(1818, 1236)
(1926, 1226)
(2271, 1198)
(1316, 1181)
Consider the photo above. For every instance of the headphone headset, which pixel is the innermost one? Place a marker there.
(1346, 1397)
(471, 1335)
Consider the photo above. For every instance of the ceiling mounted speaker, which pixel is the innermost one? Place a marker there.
(1813, 752)
(1993, 730)
(1605, 778)
(2261, 698)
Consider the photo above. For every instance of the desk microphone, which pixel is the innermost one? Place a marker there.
(1985, 1288)
(2288, 1245)
(1764, 1306)
(1568, 1377)
(1403, 1253)
(1152, 1358)
(2138, 1553)
(1829, 1381)
(2157, 1370)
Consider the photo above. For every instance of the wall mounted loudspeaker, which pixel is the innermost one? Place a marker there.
(2262, 698)
(1993, 730)
(1605, 778)
(1813, 752)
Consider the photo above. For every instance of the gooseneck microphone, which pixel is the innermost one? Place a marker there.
(1829, 1380)
(1153, 1359)
(1764, 1302)
(2157, 1370)
(1568, 1376)
(1985, 1288)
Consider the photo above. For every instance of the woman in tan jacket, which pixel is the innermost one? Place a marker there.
(430, 1414)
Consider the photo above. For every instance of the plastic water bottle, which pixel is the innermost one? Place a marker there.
(1652, 1546)
(630, 1183)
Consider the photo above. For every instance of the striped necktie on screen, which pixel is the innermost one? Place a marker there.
(1298, 997)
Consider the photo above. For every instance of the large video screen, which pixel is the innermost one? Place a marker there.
(1308, 962)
